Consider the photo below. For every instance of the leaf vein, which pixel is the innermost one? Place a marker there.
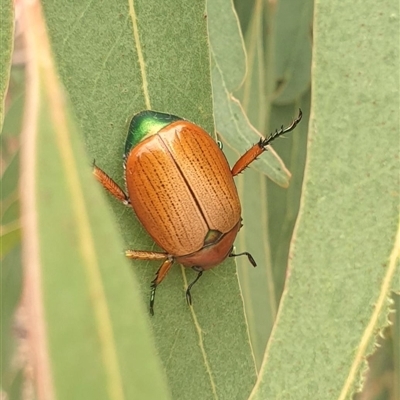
(201, 342)
(142, 64)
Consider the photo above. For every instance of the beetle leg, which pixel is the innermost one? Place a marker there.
(249, 256)
(110, 185)
(247, 158)
(160, 275)
(145, 255)
(188, 295)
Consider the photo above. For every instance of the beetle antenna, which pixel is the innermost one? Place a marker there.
(249, 256)
(188, 295)
(281, 131)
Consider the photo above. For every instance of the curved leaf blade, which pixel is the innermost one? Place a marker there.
(292, 30)
(230, 118)
(103, 72)
(345, 253)
(87, 323)
(6, 47)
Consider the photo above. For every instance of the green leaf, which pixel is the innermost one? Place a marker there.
(10, 233)
(10, 230)
(283, 204)
(257, 284)
(344, 257)
(16, 391)
(10, 237)
(228, 73)
(9, 138)
(87, 321)
(291, 29)
(9, 178)
(11, 284)
(6, 46)
(382, 378)
(134, 56)
(269, 211)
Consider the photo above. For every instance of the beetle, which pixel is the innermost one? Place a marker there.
(181, 188)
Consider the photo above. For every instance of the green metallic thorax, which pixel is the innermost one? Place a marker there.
(146, 124)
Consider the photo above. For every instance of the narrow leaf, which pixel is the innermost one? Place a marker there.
(292, 31)
(154, 54)
(87, 325)
(344, 258)
(6, 46)
(227, 74)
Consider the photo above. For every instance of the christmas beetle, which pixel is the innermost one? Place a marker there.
(181, 188)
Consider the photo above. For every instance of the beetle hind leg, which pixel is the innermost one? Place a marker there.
(188, 295)
(249, 256)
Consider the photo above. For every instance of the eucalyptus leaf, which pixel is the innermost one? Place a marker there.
(269, 211)
(344, 257)
(230, 118)
(150, 54)
(87, 325)
(6, 47)
(11, 284)
(292, 31)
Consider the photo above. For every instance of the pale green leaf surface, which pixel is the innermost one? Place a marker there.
(256, 284)
(17, 388)
(11, 286)
(283, 203)
(230, 119)
(10, 233)
(6, 46)
(9, 138)
(76, 342)
(396, 339)
(346, 246)
(227, 42)
(104, 74)
(10, 230)
(382, 379)
(96, 326)
(10, 211)
(269, 211)
(292, 29)
(10, 256)
(9, 178)
(10, 237)
(245, 11)
(252, 93)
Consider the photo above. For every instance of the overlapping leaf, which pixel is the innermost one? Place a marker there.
(345, 252)
(155, 55)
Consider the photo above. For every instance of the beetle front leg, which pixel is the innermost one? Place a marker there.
(255, 151)
(110, 185)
